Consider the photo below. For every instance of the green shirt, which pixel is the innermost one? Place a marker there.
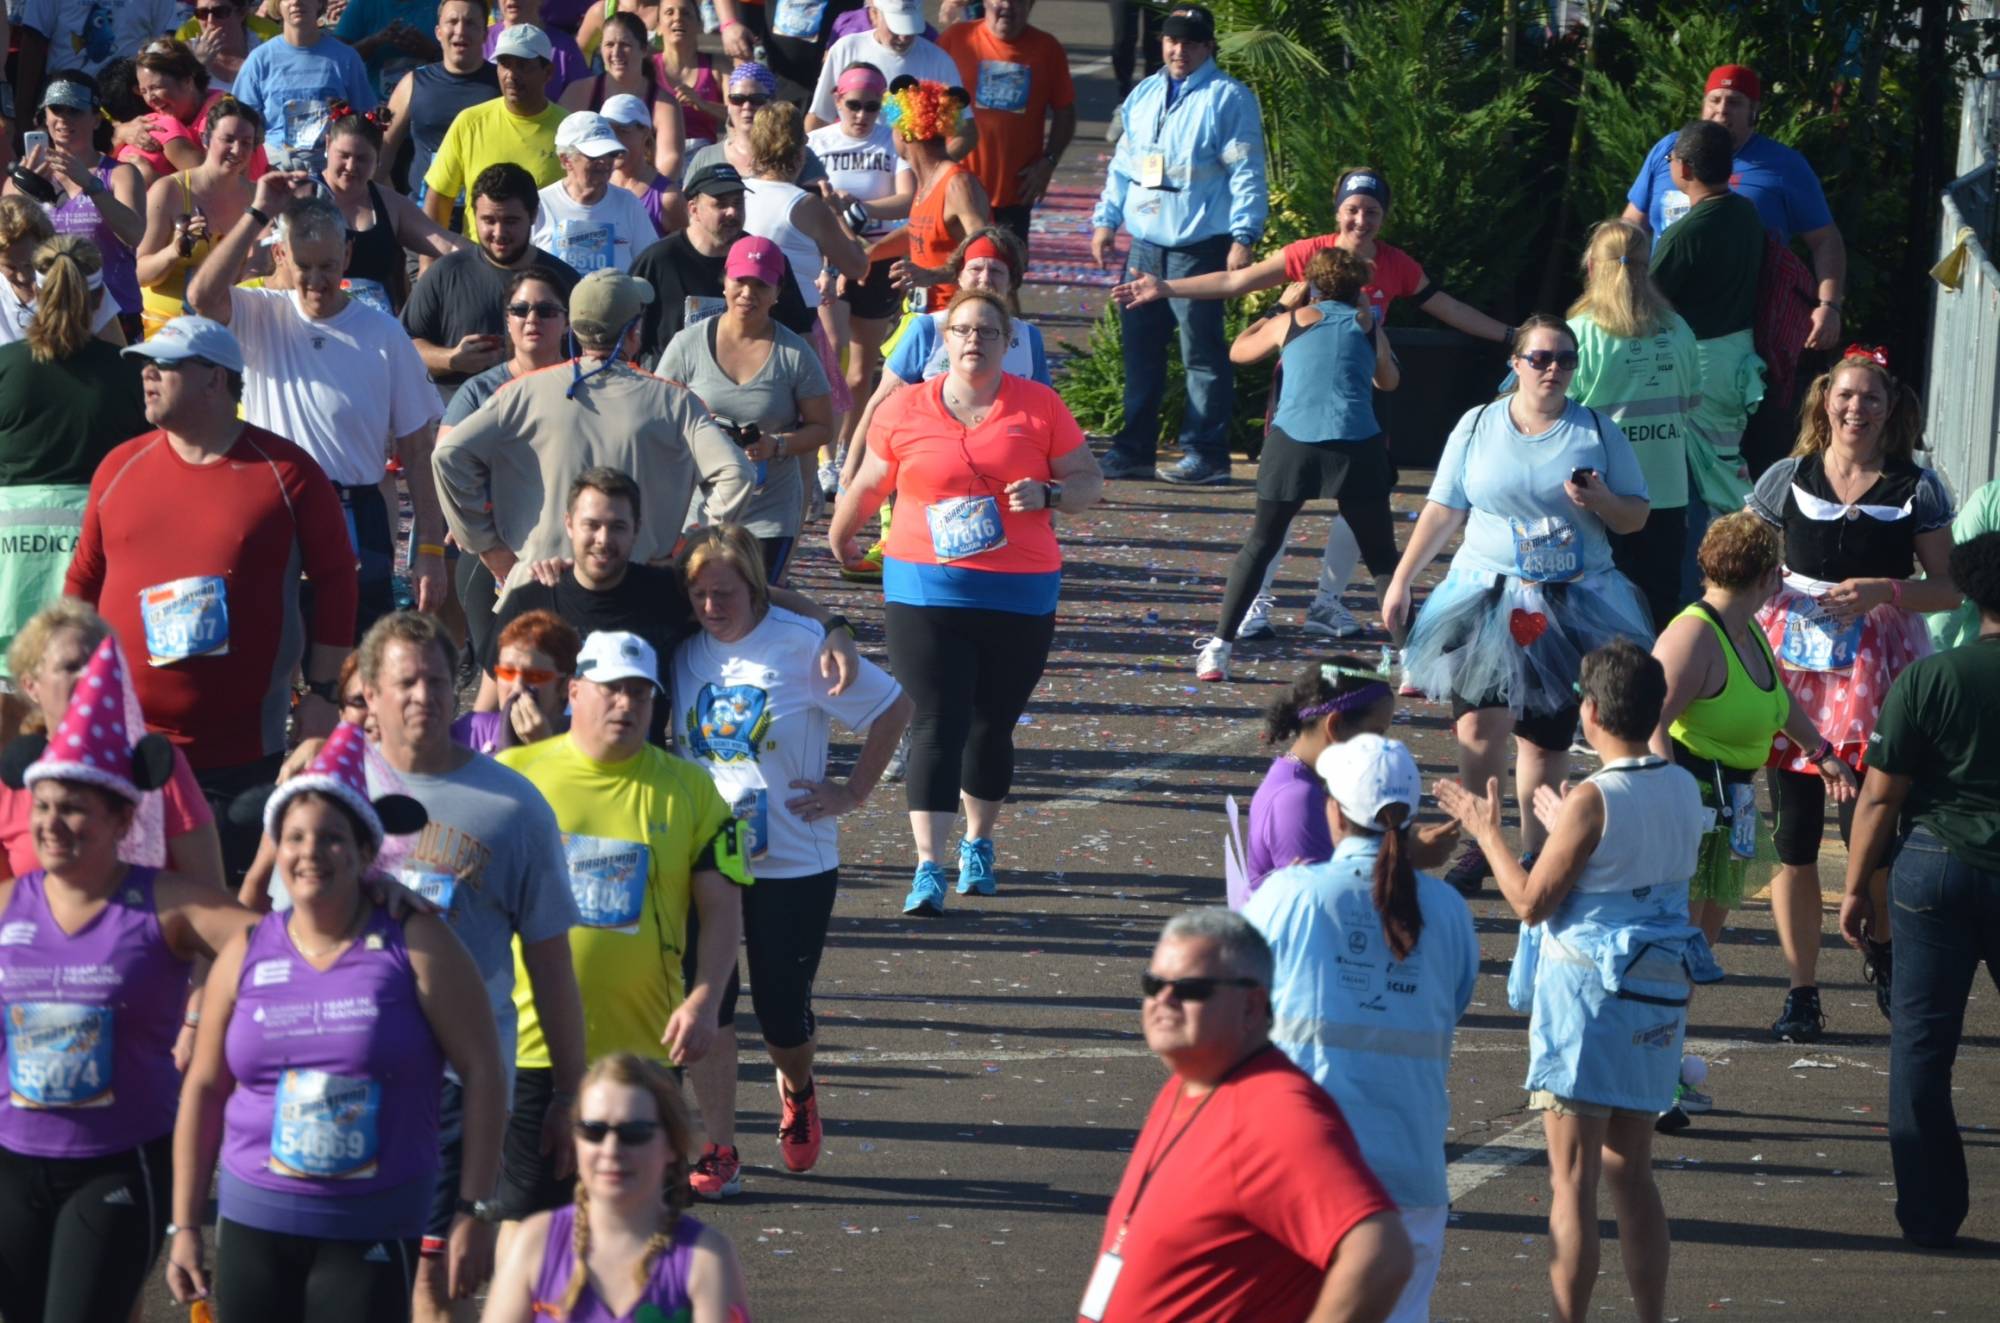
(1707, 265)
(1648, 386)
(57, 420)
(1941, 728)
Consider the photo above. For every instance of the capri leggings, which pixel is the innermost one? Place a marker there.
(970, 672)
(266, 1274)
(78, 1236)
(1798, 816)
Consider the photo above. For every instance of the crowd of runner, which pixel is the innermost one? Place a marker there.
(357, 361)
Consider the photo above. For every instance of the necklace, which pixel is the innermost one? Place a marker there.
(966, 408)
(346, 934)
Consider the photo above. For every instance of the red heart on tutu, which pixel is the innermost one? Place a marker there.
(1527, 626)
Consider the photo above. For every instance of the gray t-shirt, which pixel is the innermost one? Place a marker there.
(769, 399)
(475, 391)
(717, 153)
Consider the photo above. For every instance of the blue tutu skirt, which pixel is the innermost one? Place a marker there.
(1489, 638)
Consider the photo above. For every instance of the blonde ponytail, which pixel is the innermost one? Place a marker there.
(65, 303)
(1618, 289)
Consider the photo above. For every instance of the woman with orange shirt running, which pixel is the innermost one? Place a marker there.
(950, 203)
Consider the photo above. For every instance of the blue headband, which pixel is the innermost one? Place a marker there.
(752, 72)
(1365, 182)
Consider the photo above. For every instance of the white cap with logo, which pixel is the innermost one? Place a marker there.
(588, 133)
(610, 655)
(904, 17)
(1367, 774)
(523, 41)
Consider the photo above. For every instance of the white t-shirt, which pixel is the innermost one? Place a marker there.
(864, 168)
(15, 315)
(89, 34)
(925, 59)
(608, 233)
(343, 389)
(754, 714)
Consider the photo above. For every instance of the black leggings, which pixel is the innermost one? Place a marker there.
(1129, 19)
(78, 1236)
(1798, 813)
(1374, 528)
(265, 1274)
(970, 673)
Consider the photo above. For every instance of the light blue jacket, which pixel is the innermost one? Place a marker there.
(1212, 146)
(1373, 1031)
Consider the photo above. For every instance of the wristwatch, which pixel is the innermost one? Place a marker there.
(1051, 494)
(479, 1210)
(839, 622)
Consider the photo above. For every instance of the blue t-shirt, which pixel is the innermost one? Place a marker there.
(1329, 369)
(365, 18)
(1373, 1031)
(1522, 522)
(918, 352)
(292, 85)
(1770, 174)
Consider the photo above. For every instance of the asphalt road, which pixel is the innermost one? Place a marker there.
(982, 1074)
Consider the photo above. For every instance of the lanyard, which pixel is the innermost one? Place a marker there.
(1164, 1146)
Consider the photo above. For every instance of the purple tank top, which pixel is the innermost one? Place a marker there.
(79, 215)
(338, 1077)
(91, 1020)
(666, 1288)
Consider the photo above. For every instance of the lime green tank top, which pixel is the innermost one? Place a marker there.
(1734, 727)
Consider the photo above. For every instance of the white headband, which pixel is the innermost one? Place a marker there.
(95, 280)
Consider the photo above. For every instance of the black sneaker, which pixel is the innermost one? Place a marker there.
(1876, 967)
(1802, 1022)
(1672, 1121)
(1468, 872)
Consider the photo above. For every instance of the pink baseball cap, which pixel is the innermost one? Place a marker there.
(754, 258)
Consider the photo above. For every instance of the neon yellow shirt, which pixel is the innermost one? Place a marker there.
(488, 134)
(634, 832)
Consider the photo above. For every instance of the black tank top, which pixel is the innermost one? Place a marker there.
(436, 97)
(377, 255)
(1855, 545)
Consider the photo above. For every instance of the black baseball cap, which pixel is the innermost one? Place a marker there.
(1189, 23)
(714, 178)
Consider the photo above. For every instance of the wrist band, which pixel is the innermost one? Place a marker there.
(1822, 753)
(191, 1019)
(261, 218)
(429, 549)
(1895, 592)
(727, 24)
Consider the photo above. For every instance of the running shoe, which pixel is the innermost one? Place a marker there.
(1672, 1121)
(1194, 471)
(1257, 620)
(1468, 872)
(829, 481)
(1115, 465)
(866, 570)
(1115, 129)
(1212, 665)
(1327, 618)
(926, 891)
(718, 1172)
(1692, 1101)
(1404, 687)
(1876, 968)
(975, 867)
(1803, 1021)
(799, 1130)
(899, 761)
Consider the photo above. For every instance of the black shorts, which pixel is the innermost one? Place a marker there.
(528, 1181)
(874, 298)
(451, 1166)
(1553, 731)
(725, 1008)
(240, 831)
(1016, 219)
(1798, 816)
(784, 930)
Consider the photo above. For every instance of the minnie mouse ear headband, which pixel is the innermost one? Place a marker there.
(340, 771)
(1876, 354)
(91, 743)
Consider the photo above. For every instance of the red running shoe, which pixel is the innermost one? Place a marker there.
(718, 1173)
(799, 1130)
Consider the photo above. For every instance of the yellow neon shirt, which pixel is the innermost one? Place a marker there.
(632, 831)
(487, 134)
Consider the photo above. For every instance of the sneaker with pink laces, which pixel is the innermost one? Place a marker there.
(799, 1130)
(718, 1173)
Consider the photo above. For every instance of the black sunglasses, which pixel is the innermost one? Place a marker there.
(737, 100)
(522, 310)
(863, 107)
(630, 1133)
(1539, 359)
(1191, 989)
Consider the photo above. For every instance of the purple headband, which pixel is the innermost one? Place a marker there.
(752, 72)
(1368, 695)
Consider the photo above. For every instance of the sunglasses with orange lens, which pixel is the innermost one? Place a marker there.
(526, 675)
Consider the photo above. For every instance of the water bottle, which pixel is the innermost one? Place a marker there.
(1386, 664)
(710, 20)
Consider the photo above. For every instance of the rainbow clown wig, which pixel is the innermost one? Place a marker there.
(921, 111)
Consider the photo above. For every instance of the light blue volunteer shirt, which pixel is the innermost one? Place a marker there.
(1373, 1031)
(1513, 486)
(292, 86)
(1787, 192)
(1191, 171)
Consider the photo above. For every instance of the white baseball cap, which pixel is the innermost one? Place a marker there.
(589, 133)
(625, 109)
(610, 655)
(1367, 774)
(524, 41)
(189, 337)
(904, 17)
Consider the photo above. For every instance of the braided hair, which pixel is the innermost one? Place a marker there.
(1344, 687)
(627, 1069)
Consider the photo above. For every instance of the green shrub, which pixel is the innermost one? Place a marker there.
(1092, 383)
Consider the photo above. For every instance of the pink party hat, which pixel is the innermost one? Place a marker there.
(338, 770)
(92, 744)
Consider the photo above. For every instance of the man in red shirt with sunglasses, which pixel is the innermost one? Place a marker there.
(1246, 1196)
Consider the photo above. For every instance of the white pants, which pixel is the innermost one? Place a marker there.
(1336, 566)
(1425, 1227)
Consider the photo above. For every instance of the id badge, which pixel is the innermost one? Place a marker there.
(185, 618)
(1545, 550)
(1152, 170)
(1097, 1295)
(965, 526)
(1743, 819)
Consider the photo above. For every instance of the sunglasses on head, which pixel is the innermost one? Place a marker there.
(746, 99)
(525, 674)
(630, 1133)
(863, 107)
(525, 310)
(1190, 989)
(207, 12)
(1540, 359)
(354, 703)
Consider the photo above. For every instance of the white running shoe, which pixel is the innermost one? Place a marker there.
(1326, 618)
(829, 481)
(1257, 620)
(1213, 663)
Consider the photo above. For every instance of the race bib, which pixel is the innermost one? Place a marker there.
(964, 526)
(608, 880)
(1545, 550)
(743, 788)
(1814, 642)
(1743, 819)
(698, 308)
(58, 1055)
(1674, 204)
(798, 18)
(1002, 86)
(185, 618)
(585, 245)
(325, 1127)
(436, 887)
(370, 293)
(305, 124)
